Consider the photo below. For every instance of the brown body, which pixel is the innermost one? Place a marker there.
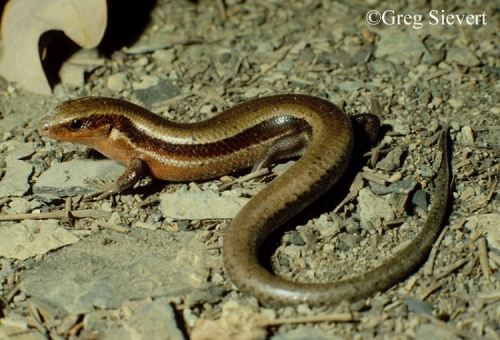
(252, 134)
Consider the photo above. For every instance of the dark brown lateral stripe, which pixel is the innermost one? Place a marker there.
(266, 130)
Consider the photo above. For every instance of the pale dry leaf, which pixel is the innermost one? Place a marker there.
(24, 21)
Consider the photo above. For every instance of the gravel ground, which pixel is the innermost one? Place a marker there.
(124, 268)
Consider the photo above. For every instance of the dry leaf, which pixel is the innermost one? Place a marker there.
(24, 21)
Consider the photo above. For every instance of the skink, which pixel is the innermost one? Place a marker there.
(254, 134)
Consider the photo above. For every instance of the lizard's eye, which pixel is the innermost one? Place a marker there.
(76, 124)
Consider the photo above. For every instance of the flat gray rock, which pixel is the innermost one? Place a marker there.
(200, 205)
(18, 150)
(68, 178)
(29, 238)
(15, 181)
(462, 56)
(373, 207)
(154, 320)
(108, 268)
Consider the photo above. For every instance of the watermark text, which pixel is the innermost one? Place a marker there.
(417, 21)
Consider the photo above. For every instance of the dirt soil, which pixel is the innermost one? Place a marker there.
(127, 270)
